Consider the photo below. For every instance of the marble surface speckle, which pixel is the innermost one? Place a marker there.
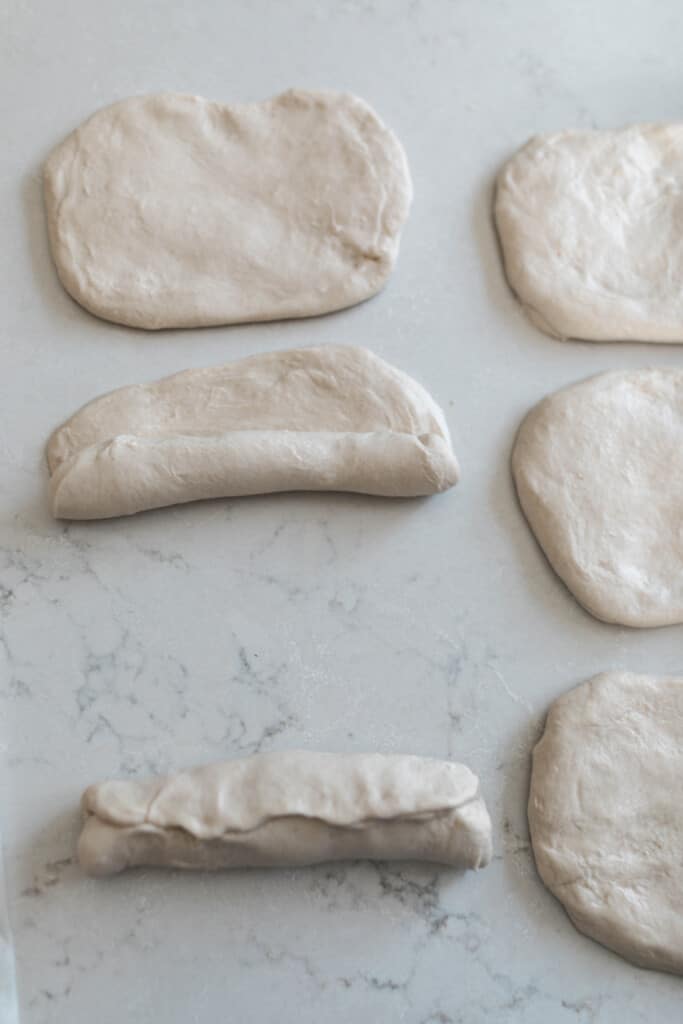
(325, 621)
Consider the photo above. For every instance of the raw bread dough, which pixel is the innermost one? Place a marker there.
(173, 211)
(605, 813)
(599, 474)
(289, 809)
(332, 418)
(591, 226)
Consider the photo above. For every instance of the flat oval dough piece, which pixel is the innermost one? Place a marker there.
(173, 211)
(605, 813)
(591, 227)
(332, 418)
(289, 809)
(599, 473)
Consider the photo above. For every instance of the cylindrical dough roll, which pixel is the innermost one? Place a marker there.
(289, 809)
(131, 474)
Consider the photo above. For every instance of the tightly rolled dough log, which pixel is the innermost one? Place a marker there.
(289, 809)
(332, 418)
(605, 813)
(591, 228)
(174, 211)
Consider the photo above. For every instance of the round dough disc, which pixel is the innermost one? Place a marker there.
(590, 227)
(599, 474)
(605, 813)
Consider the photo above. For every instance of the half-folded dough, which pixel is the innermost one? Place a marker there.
(605, 813)
(591, 227)
(289, 809)
(334, 418)
(599, 473)
(174, 211)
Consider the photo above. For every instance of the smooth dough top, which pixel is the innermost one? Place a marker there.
(599, 473)
(175, 211)
(591, 226)
(347, 790)
(605, 813)
(336, 388)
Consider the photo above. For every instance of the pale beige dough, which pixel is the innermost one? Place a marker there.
(591, 227)
(599, 473)
(289, 809)
(332, 418)
(605, 813)
(175, 211)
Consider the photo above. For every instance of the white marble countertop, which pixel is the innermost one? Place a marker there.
(330, 622)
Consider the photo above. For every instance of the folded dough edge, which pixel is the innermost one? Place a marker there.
(129, 474)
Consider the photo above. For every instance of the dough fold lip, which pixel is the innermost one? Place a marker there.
(589, 225)
(290, 808)
(175, 211)
(333, 418)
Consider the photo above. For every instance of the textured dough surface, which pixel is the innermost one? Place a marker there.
(599, 473)
(605, 813)
(332, 418)
(174, 211)
(286, 809)
(591, 227)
